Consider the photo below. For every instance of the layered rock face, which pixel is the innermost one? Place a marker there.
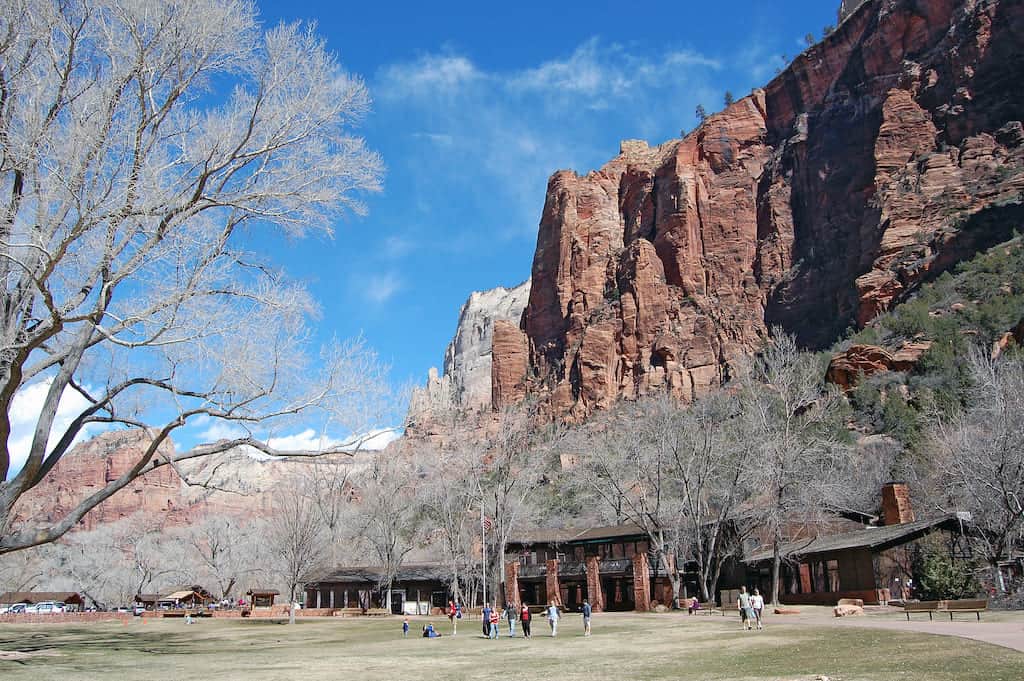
(466, 383)
(881, 157)
(467, 360)
(232, 484)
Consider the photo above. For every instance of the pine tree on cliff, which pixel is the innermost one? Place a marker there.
(701, 113)
(729, 99)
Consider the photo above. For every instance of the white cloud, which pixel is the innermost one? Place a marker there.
(310, 440)
(379, 288)
(493, 137)
(24, 415)
(430, 74)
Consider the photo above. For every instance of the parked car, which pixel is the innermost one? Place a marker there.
(46, 607)
(15, 609)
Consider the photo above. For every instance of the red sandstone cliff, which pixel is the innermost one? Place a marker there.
(235, 485)
(880, 157)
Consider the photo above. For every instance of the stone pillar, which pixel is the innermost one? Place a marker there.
(594, 591)
(641, 582)
(551, 582)
(512, 582)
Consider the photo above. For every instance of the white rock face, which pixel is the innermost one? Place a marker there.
(467, 361)
(848, 7)
(466, 382)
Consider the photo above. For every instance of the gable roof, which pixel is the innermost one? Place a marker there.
(423, 572)
(873, 538)
(39, 596)
(575, 535)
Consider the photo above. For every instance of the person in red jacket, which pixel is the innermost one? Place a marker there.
(495, 618)
(525, 619)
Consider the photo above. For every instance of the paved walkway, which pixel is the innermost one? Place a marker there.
(1006, 634)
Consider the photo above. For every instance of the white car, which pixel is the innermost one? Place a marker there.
(15, 609)
(45, 607)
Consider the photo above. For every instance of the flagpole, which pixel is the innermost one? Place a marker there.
(483, 549)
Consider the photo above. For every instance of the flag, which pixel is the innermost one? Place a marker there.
(487, 523)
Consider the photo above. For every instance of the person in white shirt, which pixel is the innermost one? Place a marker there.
(757, 604)
(553, 618)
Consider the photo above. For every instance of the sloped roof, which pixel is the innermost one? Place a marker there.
(39, 596)
(423, 572)
(572, 535)
(874, 538)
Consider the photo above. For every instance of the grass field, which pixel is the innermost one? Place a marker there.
(623, 647)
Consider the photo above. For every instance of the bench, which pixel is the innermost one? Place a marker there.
(378, 612)
(966, 605)
(729, 607)
(703, 608)
(920, 606)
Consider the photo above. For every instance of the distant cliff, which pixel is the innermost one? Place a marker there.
(880, 157)
(466, 381)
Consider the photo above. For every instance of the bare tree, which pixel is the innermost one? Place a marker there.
(220, 547)
(625, 463)
(389, 521)
(791, 421)
(709, 462)
(296, 541)
(128, 190)
(979, 459)
(451, 507)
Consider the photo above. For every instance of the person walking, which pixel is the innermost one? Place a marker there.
(587, 613)
(757, 604)
(451, 615)
(511, 614)
(485, 617)
(405, 628)
(743, 605)
(495, 618)
(458, 616)
(553, 618)
(525, 618)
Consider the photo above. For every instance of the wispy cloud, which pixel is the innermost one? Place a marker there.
(379, 288)
(493, 137)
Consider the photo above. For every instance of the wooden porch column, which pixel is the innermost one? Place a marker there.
(512, 582)
(551, 582)
(641, 583)
(594, 591)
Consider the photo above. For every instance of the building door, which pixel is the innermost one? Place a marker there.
(397, 601)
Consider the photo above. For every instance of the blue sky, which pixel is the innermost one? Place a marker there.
(475, 105)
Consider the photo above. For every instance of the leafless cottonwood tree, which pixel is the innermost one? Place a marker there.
(979, 459)
(450, 507)
(296, 541)
(625, 463)
(129, 187)
(710, 462)
(389, 522)
(220, 549)
(791, 421)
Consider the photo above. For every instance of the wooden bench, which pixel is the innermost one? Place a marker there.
(729, 607)
(378, 612)
(966, 605)
(703, 608)
(920, 606)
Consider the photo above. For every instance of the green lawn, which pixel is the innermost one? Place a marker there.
(622, 647)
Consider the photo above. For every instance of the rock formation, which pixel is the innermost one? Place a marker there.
(881, 157)
(233, 484)
(466, 383)
(846, 368)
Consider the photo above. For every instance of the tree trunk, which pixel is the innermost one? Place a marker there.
(776, 566)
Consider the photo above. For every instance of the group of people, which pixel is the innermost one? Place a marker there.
(751, 607)
(491, 620)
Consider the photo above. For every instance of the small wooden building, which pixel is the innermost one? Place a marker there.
(71, 599)
(359, 587)
(872, 564)
(262, 598)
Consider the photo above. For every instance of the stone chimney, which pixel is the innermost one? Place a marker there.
(896, 508)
